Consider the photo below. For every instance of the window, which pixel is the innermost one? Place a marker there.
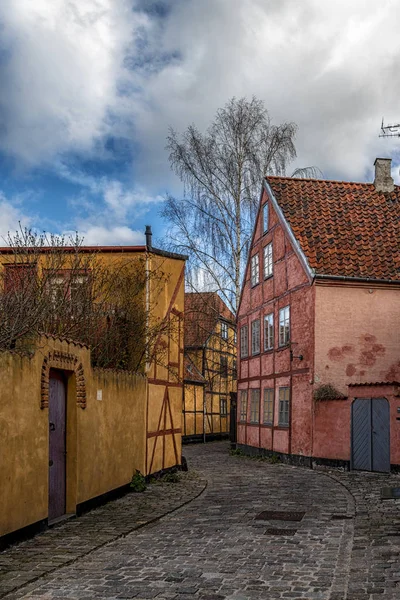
(255, 270)
(69, 288)
(283, 419)
(255, 337)
(268, 264)
(224, 366)
(244, 341)
(243, 405)
(284, 326)
(234, 336)
(269, 331)
(255, 406)
(265, 217)
(223, 407)
(19, 277)
(234, 369)
(268, 406)
(224, 331)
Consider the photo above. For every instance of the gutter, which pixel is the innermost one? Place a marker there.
(361, 279)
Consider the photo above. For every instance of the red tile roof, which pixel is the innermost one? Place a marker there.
(202, 312)
(343, 228)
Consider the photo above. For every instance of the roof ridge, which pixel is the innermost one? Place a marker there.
(335, 181)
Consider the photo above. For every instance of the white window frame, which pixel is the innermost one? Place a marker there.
(224, 330)
(255, 406)
(269, 331)
(268, 409)
(284, 407)
(244, 341)
(268, 261)
(243, 406)
(255, 269)
(255, 337)
(223, 407)
(284, 326)
(265, 217)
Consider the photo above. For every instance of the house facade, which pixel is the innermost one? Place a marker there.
(210, 367)
(74, 433)
(319, 344)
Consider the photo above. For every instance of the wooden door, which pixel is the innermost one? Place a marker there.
(57, 445)
(370, 435)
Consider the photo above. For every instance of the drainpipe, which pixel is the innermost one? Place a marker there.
(149, 247)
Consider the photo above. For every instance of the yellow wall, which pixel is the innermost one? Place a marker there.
(136, 424)
(216, 387)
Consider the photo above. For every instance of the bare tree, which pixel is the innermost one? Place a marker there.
(222, 172)
(52, 284)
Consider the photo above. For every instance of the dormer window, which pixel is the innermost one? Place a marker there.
(265, 216)
(255, 270)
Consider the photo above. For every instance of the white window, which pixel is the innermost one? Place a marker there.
(224, 331)
(265, 218)
(223, 407)
(255, 406)
(234, 336)
(283, 419)
(284, 326)
(269, 331)
(255, 270)
(244, 341)
(255, 337)
(268, 406)
(243, 405)
(268, 264)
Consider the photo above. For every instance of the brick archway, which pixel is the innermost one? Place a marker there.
(66, 362)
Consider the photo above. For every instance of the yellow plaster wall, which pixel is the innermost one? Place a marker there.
(105, 441)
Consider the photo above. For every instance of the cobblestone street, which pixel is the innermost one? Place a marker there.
(346, 546)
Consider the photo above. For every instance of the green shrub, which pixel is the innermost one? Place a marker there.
(138, 483)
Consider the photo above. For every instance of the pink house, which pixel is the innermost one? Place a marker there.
(318, 323)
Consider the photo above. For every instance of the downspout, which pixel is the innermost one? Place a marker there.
(149, 248)
(204, 397)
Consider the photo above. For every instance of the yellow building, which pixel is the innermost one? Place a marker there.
(210, 366)
(72, 433)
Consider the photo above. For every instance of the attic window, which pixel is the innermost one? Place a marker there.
(255, 270)
(265, 218)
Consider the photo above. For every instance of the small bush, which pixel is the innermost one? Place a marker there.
(236, 452)
(138, 483)
(171, 477)
(328, 392)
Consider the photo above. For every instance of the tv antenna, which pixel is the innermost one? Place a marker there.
(390, 130)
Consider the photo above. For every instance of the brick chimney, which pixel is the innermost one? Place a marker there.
(383, 179)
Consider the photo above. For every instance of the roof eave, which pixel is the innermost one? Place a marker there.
(302, 257)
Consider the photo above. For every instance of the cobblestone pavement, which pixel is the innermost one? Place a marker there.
(346, 547)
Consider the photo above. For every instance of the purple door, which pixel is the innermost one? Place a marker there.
(57, 446)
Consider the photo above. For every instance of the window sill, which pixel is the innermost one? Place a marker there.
(283, 427)
(254, 285)
(268, 277)
(283, 347)
(255, 354)
(268, 351)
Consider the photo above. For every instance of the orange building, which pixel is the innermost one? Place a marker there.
(210, 367)
(319, 367)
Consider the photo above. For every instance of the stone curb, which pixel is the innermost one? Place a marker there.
(30, 585)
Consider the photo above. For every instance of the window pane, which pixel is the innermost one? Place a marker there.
(223, 407)
(255, 337)
(268, 405)
(243, 405)
(244, 341)
(268, 264)
(284, 326)
(224, 331)
(284, 406)
(255, 270)
(255, 406)
(265, 217)
(269, 331)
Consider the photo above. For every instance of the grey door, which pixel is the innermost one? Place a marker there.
(57, 445)
(370, 435)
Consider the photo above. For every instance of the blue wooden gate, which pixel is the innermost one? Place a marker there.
(370, 435)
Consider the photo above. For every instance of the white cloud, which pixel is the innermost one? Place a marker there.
(332, 67)
(11, 217)
(109, 236)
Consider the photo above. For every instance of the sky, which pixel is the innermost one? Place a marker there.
(89, 89)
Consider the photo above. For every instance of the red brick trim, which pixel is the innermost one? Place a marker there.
(64, 361)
